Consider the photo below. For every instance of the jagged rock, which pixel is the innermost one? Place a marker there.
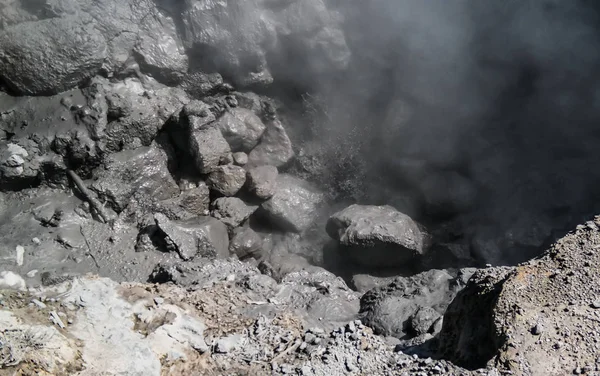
(50, 56)
(240, 158)
(492, 320)
(143, 171)
(378, 236)
(192, 134)
(227, 179)
(232, 211)
(245, 243)
(130, 112)
(198, 237)
(390, 309)
(159, 50)
(199, 84)
(196, 200)
(294, 205)
(250, 101)
(274, 149)
(422, 321)
(241, 128)
(262, 180)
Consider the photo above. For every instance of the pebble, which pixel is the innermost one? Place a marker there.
(350, 327)
(36, 241)
(158, 300)
(227, 344)
(537, 329)
(38, 303)
(596, 304)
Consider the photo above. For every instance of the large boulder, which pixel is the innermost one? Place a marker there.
(143, 171)
(295, 204)
(408, 306)
(197, 237)
(50, 56)
(539, 318)
(377, 236)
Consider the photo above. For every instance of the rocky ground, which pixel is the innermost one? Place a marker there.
(182, 192)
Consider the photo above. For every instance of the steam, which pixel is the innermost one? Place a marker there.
(481, 116)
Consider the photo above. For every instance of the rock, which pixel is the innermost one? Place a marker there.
(228, 344)
(377, 236)
(50, 56)
(131, 111)
(232, 211)
(159, 50)
(196, 139)
(12, 281)
(294, 205)
(421, 322)
(196, 200)
(240, 158)
(408, 304)
(143, 171)
(199, 84)
(262, 180)
(241, 128)
(227, 180)
(245, 243)
(274, 149)
(197, 237)
(500, 306)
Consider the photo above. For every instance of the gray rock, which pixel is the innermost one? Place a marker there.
(227, 344)
(409, 304)
(196, 139)
(245, 243)
(294, 205)
(262, 180)
(227, 179)
(240, 158)
(159, 50)
(232, 211)
(241, 128)
(143, 172)
(197, 237)
(130, 112)
(196, 200)
(199, 84)
(377, 235)
(274, 149)
(50, 56)
(421, 322)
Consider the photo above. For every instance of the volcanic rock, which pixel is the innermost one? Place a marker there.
(197, 237)
(160, 51)
(245, 243)
(196, 200)
(491, 320)
(294, 205)
(274, 149)
(241, 128)
(227, 179)
(240, 158)
(191, 131)
(262, 180)
(376, 235)
(143, 171)
(50, 56)
(391, 309)
(232, 211)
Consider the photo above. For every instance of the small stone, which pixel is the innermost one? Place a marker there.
(240, 158)
(36, 241)
(305, 370)
(20, 255)
(350, 327)
(38, 303)
(158, 300)
(537, 329)
(31, 273)
(228, 344)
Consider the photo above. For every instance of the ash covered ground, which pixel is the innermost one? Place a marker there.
(298, 187)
